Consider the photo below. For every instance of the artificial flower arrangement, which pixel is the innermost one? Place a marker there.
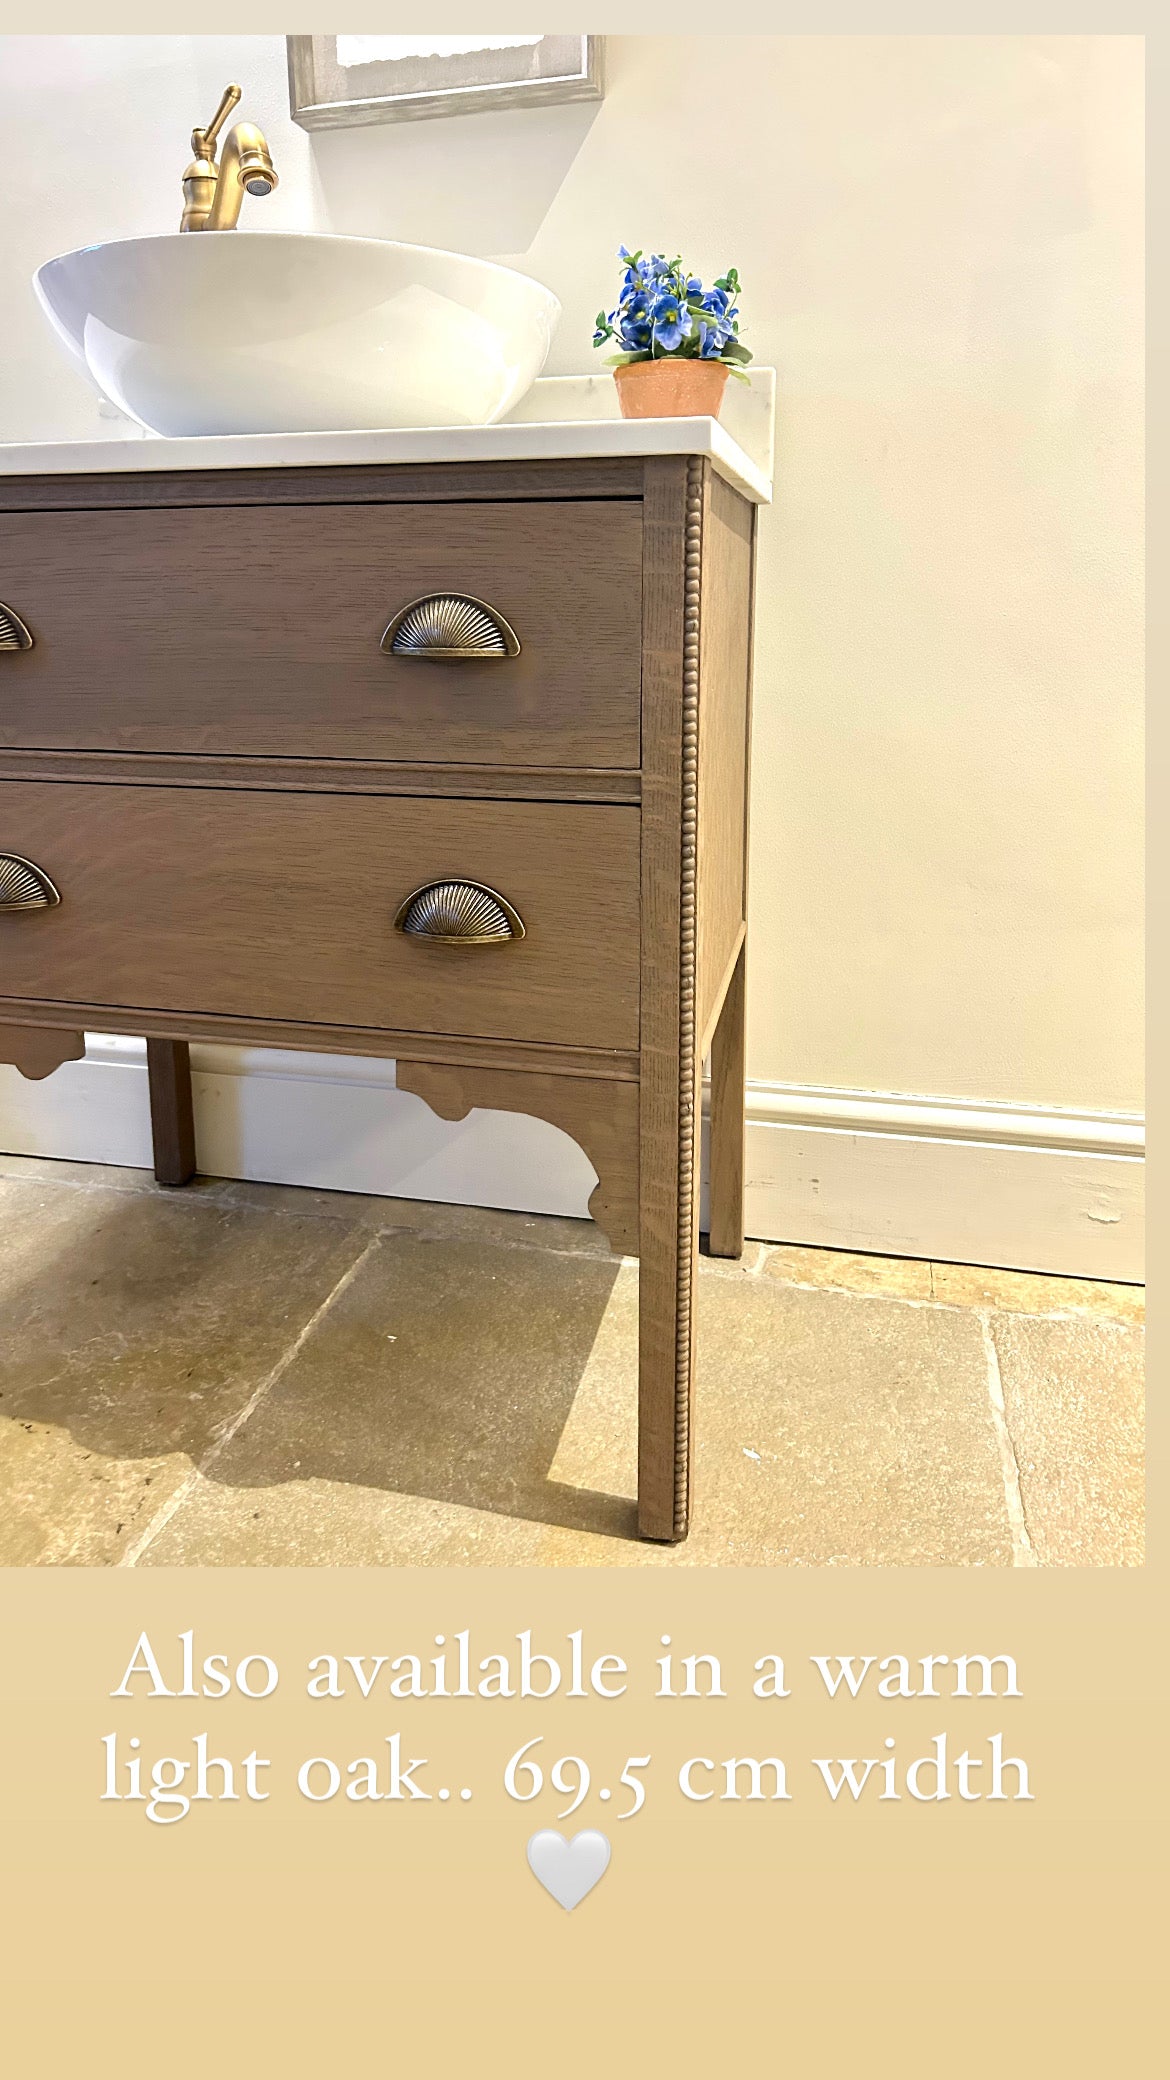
(678, 342)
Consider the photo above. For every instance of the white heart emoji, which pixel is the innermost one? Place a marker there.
(568, 1870)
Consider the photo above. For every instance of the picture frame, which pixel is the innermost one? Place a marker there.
(338, 81)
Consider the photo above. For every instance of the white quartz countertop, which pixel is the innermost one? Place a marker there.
(561, 418)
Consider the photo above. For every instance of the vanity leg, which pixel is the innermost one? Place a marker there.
(727, 1121)
(172, 1120)
(669, 1237)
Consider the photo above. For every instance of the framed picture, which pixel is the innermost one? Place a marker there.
(337, 80)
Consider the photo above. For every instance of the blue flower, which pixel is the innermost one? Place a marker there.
(632, 321)
(717, 324)
(637, 338)
(664, 309)
(672, 321)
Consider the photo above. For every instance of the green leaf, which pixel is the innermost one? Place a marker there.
(734, 351)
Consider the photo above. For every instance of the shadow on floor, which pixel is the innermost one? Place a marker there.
(143, 1324)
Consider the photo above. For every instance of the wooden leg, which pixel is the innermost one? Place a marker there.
(168, 1064)
(669, 1236)
(727, 1121)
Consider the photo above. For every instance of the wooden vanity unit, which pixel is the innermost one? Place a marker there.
(445, 762)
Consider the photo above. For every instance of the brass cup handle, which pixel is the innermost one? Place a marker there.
(13, 633)
(447, 625)
(24, 885)
(458, 913)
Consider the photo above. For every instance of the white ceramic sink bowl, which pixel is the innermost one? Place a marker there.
(288, 332)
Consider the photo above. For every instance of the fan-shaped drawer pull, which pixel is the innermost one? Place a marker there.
(24, 886)
(13, 633)
(459, 913)
(445, 625)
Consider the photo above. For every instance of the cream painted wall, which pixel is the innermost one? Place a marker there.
(940, 240)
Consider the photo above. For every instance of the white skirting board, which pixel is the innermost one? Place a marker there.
(1037, 1190)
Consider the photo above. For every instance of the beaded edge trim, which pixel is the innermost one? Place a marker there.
(692, 569)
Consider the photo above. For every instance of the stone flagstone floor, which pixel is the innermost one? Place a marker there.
(251, 1375)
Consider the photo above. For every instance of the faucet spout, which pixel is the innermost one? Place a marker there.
(245, 168)
(213, 194)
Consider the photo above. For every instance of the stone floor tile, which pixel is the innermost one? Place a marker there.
(597, 1449)
(52, 1170)
(900, 1278)
(487, 1417)
(1073, 1394)
(323, 1523)
(135, 1327)
(482, 1224)
(838, 1429)
(446, 1370)
(469, 1396)
(61, 1504)
(1032, 1292)
(746, 1266)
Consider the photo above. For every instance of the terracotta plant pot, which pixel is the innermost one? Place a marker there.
(671, 388)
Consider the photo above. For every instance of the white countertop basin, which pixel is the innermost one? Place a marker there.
(257, 332)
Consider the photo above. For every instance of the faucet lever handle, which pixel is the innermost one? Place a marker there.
(203, 140)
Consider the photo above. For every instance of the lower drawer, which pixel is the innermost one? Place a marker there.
(282, 906)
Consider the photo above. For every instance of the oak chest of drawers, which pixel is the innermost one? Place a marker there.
(444, 763)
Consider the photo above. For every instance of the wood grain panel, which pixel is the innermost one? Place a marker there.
(170, 897)
(369, 483)
(331, 775)
(37, 1051)
(602, 1118)
(259, 633)
(172, 1110)
(669, 1069)
(382, 1043)
(725, 691)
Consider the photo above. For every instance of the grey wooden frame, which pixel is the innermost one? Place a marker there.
(315, 108)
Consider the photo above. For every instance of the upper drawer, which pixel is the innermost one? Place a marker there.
(257, 629)
(283, 906)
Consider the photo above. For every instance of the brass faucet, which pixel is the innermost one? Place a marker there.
(213, 194)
